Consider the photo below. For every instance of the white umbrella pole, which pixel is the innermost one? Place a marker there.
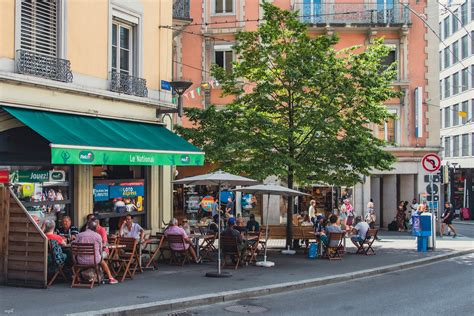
(266, 230)
(219, 233)
(265, 263)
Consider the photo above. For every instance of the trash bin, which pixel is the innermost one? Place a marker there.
(313, 250)
(422, 230)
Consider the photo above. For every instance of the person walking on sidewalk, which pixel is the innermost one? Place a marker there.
(401, 216)
(448, 220)
(371, 217)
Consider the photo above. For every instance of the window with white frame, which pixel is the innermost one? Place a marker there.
(224, 56)
(455, 114)
(464, 79)
(223, 6)
(455, 83)
(446, 28)
(464, 47)
(455, 52)
(464, 16)
(465, 145)
(447, 117)
(447, 147)
(454, 21)
(447, 58)
(391, 58)
(122, 47)
(456, 146)
(39, 27)
(447, 87)
(388, 131)
(465, 112)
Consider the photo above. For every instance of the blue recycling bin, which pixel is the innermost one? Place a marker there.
(421, 228)
(313, 251)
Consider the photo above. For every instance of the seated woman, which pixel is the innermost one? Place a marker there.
(332, 228)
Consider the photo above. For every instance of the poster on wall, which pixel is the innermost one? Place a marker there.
(117, 196)
(248, 204)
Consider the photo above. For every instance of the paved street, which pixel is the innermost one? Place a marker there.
(444, 288)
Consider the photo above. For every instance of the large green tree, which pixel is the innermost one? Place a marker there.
(302, 110)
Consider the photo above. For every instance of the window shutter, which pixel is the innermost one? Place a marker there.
(39, 27)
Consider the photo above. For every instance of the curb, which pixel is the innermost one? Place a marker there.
(199, 300)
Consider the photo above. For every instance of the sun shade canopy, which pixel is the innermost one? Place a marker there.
(78, 139)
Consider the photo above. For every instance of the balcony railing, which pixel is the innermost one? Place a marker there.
(181, 9)
(326, 13)
(123, 83)
(31, 63)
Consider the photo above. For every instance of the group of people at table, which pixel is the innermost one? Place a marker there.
(92, 233)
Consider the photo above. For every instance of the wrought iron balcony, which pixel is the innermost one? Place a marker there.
(123, 83)
(181, 9)
(31, 63)
(358, 14)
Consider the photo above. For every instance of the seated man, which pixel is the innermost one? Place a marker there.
(333, 227)
(231, 231)
(49, 226)
(360, 229)
(67, 230)
(90, 236)
(174, 229)
(131, 229)
(252, 224)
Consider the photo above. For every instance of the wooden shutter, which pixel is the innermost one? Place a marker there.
(39, 26)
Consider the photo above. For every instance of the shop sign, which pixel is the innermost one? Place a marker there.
(129, 158)
(101, 192)
(4, 176)
(126, 191)
(33, 175)
(57, 175)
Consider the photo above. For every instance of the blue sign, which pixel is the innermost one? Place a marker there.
(165, 85)
(433, 205)
(125, 191)
(101, 192)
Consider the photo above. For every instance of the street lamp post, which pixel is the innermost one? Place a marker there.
(179, 86)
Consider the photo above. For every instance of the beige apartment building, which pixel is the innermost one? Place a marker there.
(81, 88)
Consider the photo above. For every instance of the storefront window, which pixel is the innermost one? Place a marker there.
(118, 191)
(44, 191)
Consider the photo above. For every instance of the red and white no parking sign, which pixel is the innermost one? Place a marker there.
(431, 162)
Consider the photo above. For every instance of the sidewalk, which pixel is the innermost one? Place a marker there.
(175, 282)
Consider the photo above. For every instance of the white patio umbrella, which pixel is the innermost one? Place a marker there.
(218, 178)
(269, 189)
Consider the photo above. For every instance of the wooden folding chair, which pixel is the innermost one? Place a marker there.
(158, 241)
(178, 249)
(333, 248)
(83, 252)
(57, 266)
(230, 250)
(366, 245)
(128, 258)
(252, 249)
(207, 246)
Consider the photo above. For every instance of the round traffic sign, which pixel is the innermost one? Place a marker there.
(431, 162)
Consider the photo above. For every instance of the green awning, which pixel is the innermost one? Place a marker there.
(78, 139)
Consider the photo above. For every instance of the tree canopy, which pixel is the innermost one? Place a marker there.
(302, 110)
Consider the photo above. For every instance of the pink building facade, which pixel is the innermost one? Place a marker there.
(209, 37)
